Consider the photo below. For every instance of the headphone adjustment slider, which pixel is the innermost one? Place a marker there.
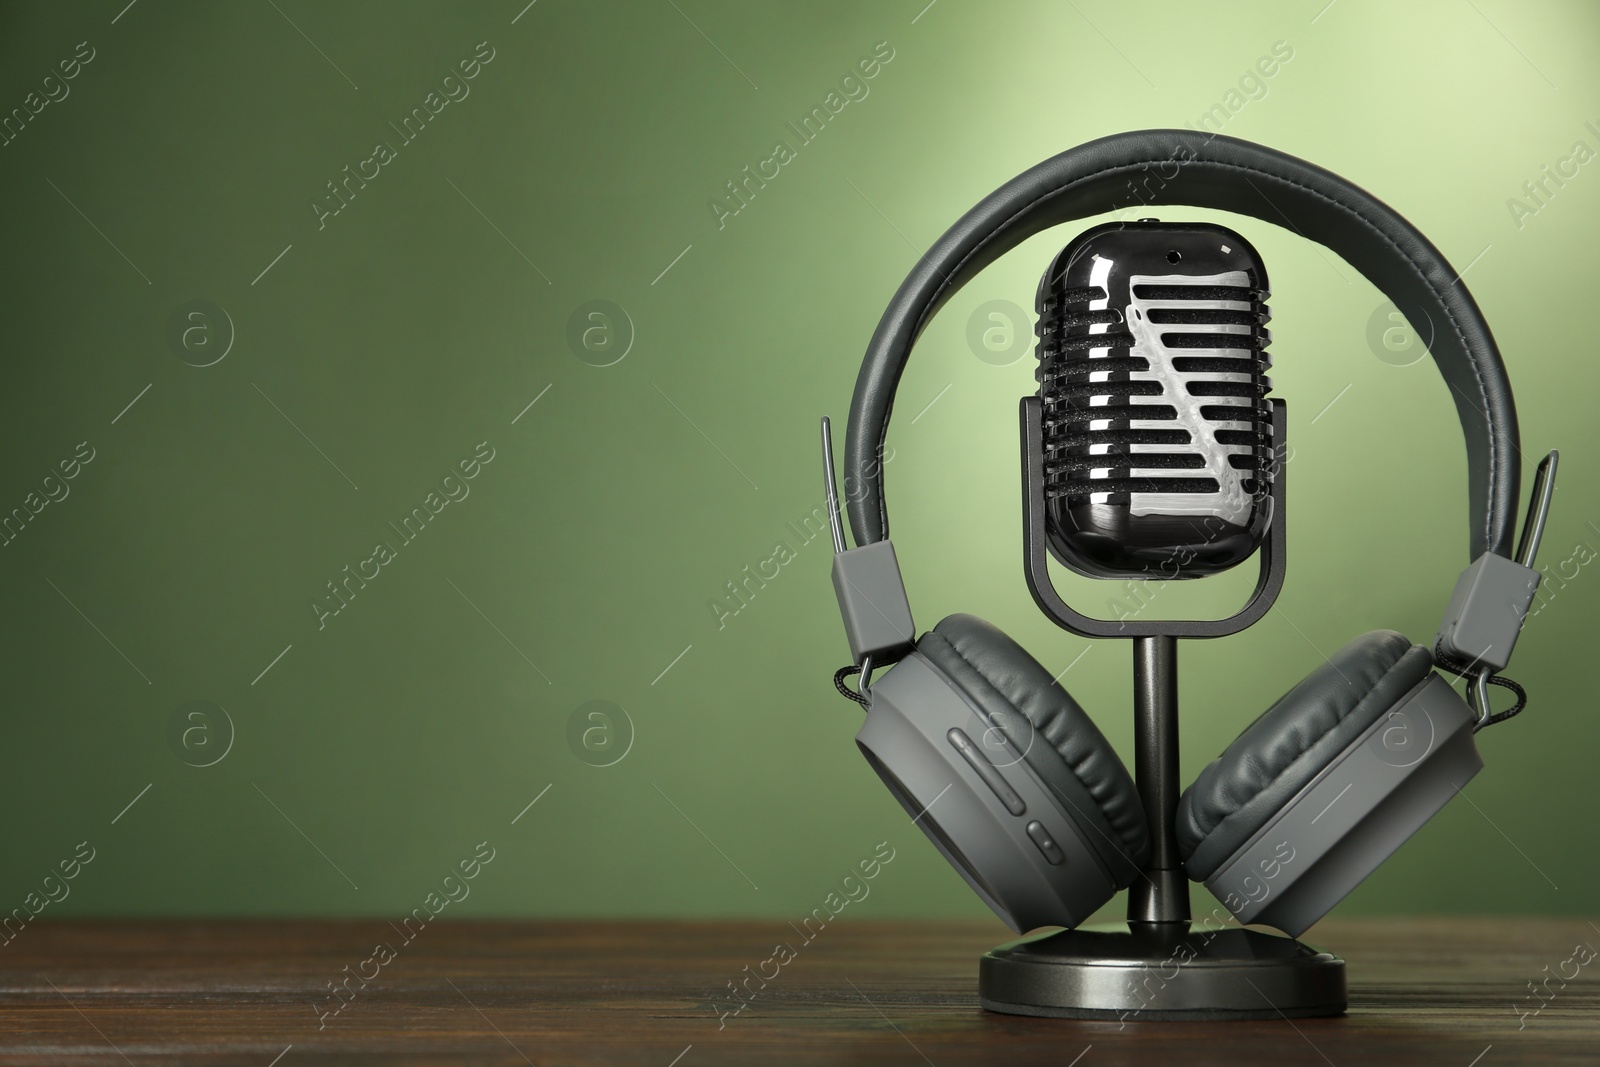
(1493, 595)
(867, 582)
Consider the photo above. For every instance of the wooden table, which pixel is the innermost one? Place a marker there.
(1433, 991)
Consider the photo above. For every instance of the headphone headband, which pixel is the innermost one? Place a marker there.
(1181, 167)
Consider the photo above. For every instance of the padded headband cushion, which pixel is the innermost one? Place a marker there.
(1061, 743)
(1291, 743)
(1181, 167)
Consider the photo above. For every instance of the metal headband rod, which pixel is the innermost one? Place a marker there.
(1544, 485)
(830, 488)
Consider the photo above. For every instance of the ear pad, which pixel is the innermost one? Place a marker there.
(1291, 743)
(1062, 744)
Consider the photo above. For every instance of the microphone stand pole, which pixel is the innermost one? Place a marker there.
(1162, 894)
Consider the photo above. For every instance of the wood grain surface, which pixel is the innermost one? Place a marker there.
(1451, 991)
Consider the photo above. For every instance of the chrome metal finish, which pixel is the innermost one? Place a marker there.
(1152, 378)
(1479, 696)
(830, 487)
(1544, 488)
(1229, 502)
(1273, 555)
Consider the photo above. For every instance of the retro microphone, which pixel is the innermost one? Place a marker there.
(1157, 435)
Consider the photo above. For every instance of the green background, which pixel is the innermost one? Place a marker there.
(382, 348)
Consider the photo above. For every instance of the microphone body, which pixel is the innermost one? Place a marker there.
(1152, 375)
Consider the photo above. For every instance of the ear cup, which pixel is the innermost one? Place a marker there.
(1291, 743)
(1061, 743)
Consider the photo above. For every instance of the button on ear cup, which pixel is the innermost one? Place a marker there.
(1291, 743)
(1062, 744)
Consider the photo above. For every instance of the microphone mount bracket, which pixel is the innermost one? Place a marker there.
(1036, 555)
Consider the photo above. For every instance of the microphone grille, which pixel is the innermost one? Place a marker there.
(1159, 405)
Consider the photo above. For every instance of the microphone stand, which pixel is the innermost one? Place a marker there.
(1160, 964)
(1162, 895)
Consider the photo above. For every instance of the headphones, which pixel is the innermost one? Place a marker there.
(1009, 776)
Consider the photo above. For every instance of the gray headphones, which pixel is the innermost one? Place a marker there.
(1006, 773)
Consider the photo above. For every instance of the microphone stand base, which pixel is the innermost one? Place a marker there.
(1161, 971)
